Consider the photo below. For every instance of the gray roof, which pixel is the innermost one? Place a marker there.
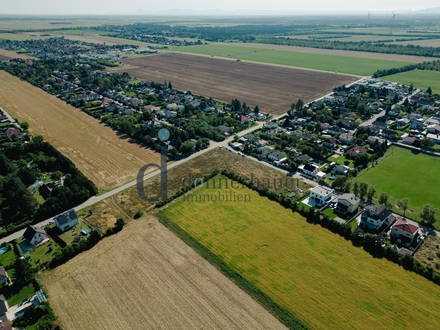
(352, 198)
(378, 211)
(66, 217)
(31, 231)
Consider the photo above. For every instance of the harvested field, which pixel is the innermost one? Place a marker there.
(7, 54)
(272, 88)
(421, 43)
(98, 39)
(146, 278)
(104, 157)
(349, 53)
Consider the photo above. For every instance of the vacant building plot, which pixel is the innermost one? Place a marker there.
(421, 79)
(104, 157)
(318, 276)
(146, 278)
(272, 88)
(405, 173)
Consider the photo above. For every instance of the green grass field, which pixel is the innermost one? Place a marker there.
(7, 258)
(404, 174)
(316, 275)
(343, 64)
(26, 292)
(421, 79)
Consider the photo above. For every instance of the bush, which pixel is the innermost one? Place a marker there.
(138, 214)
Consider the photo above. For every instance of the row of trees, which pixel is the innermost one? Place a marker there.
(433, 66)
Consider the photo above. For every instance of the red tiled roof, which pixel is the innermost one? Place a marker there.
(11, 132)
(357, 150)
(409, 228)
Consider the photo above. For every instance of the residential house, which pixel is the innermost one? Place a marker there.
(249, 137)
(408, 140)
(373, 139)
(345, 123)
(264, 151)
(417, 126)
(431, 121)
(66, 220)
(304, 158)
(434, 129)
(4, 322)
(13, 133)
(347, 203)
(261, 143)
(170, 114)
(35, 235)
(225, 130)
(346, 138)
(330, 142)
(276, 156)
(321, 195)
(271, 125)
(404, 231)
(237, 145)
(309, 169)
(375, 216)
(356, 151)
(389, 134)
(403, 121)
(302, 121)
(4, 278)
(341, 170)
(243, 119)
(334, 130)
(433, 137)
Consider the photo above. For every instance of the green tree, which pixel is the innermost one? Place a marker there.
(427, 143)
(356, 188)
(24, 125)
(403, 204)
(187, 147)
(256, 110)
(23, 271)
(429, 90)
(383, 199)
(370, 193)
(169, 85)
(56, 176)
(299, 104)
(428, 214)
(363, 187)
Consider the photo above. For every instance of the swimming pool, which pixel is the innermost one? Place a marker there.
(4, 249)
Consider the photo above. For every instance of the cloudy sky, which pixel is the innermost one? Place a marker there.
(127, 6)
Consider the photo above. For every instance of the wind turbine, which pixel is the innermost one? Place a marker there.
(392, 22)
(368, 20)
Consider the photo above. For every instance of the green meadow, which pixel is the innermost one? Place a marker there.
(332, 63)
(403, 173)
(317, 276)
(421, 79)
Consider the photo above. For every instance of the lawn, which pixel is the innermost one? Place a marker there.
(25, 292)
(43, 254)
(403, 173)
(7, 258)
(316, 275)
(421, 79)
(332, 63)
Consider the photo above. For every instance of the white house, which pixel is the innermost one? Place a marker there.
(404, 231)
(374, 216)
(35, 235)
(321, 195)
(347, 203)
(309, 169)
(66, 220)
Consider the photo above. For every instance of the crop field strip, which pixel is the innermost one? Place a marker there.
(272, 88)
(318, 276)
(321, 51)
(106, 158)
(319, 60)
(146, 278)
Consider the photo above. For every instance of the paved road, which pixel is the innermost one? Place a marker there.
(12, 120)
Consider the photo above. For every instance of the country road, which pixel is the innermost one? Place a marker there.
(213, 145)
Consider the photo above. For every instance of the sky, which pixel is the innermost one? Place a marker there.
(48, 7)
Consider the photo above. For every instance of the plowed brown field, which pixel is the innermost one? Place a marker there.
(273, 88)
(146, 278)
(104, 157)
